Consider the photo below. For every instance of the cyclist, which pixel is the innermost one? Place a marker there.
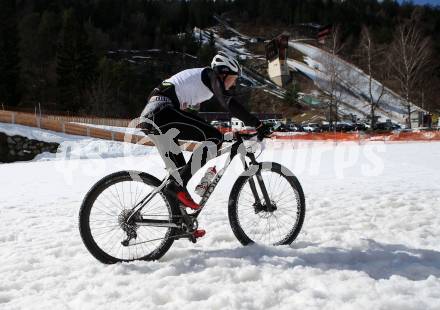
(188, 89)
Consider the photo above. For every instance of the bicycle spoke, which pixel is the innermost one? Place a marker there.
(110, 191)
(268, 226)
(108, 210)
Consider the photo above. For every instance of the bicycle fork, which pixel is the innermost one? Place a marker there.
(260, 184)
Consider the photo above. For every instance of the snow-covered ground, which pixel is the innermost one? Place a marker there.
(370, 238)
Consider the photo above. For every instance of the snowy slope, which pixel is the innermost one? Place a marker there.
(356, 82)
(370, 238)
(321, 81)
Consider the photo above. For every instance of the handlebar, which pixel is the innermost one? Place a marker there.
(249, 135)
(245, 136)
(237, 135)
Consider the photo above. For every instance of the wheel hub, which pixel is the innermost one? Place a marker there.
(263, 207)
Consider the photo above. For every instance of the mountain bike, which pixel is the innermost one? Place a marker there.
(127, 216)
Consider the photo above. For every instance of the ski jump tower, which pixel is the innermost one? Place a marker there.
(276, 55)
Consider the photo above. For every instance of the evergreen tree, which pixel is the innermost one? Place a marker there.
(30, 57)
(48, 30)
(207, 51)
(9, 58)
(76, 64)
(38, 37)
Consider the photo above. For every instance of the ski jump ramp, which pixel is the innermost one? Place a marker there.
(353, 83)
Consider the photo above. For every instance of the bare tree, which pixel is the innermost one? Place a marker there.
(333, 71)
(372, 56)
(409, 57)
(429, 91)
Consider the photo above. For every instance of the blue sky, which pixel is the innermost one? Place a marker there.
(433, 2)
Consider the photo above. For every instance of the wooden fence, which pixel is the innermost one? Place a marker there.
(115, 122)
(59, 125)
(68, 117)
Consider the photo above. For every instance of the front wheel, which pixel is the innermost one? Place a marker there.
(252, 219)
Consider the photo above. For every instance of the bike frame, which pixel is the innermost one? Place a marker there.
(234, 149)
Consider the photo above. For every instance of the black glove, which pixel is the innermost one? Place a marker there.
(263, 131)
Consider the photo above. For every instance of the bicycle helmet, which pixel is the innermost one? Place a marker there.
(224, 64)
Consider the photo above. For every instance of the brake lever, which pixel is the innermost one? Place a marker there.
(261, 143)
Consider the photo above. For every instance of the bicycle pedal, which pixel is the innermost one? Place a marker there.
(196, 235)
(199, 233)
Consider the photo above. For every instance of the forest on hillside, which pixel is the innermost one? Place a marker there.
(56, 52)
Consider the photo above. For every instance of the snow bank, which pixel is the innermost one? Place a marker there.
(79, 147)
(37, 134)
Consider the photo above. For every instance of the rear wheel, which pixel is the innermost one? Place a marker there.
(103, 219)
(275, 224)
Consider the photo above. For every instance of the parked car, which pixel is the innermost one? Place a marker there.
(339, 127)
(361, 126)
(237, 124)
(344, 127)
(269, 122)
(272, 121)
(311, 127)
(326, 127)
(387, 126)
(293, 127)
(279, 127)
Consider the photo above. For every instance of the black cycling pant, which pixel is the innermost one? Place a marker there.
(191, 127)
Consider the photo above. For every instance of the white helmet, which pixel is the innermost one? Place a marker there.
(224, 64)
